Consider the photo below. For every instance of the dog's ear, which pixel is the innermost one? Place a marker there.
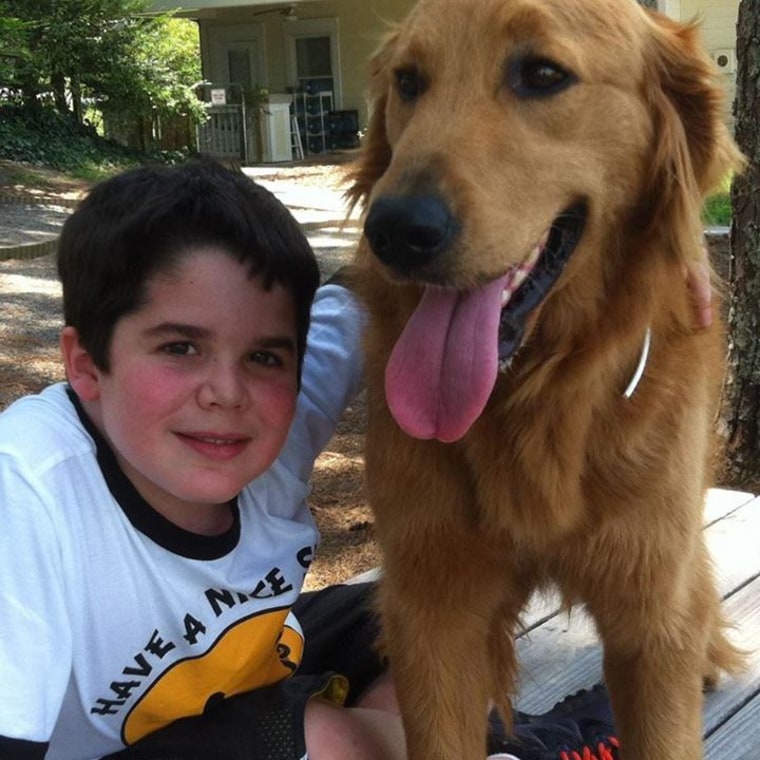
(375, 153)
(694, 151)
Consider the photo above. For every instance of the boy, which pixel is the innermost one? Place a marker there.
(153, 530)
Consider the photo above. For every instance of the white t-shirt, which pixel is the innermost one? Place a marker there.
(113, 621)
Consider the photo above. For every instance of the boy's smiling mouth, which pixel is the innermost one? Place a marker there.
(215, 445)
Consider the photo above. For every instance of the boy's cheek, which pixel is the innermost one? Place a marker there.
(286, 402)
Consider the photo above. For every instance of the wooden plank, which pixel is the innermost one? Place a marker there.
(563, 654)
(558, 658)
(733, 544)
(720, 502)
(743, 609)
(738, 738)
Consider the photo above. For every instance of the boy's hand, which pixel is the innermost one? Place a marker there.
(698, 281)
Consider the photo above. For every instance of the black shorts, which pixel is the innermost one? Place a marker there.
(340, 635)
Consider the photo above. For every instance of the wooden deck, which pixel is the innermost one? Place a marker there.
(560, 653)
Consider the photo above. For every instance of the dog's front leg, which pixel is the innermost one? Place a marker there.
(438, 619)
(445, 590)
(657, 696)
(655, 657)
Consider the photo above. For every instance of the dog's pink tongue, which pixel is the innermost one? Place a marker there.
(443, 367)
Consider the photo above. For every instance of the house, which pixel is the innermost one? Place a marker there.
(285, 80)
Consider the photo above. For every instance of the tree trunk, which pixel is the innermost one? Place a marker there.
(76, 99)
(58, 86)
(742, 400)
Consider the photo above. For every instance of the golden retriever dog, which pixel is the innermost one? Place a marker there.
(541, 395)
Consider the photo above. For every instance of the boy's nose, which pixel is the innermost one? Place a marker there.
(223, 386)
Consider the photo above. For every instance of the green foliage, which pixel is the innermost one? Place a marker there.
(155, 73)
(13, 52)
(47, 137)
(80, 55)
(717, 210)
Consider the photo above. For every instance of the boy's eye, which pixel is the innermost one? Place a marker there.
(266, 358)
(180, 348)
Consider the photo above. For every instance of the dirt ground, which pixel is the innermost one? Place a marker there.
(29, 361)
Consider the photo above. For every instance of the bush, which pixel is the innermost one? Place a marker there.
(46, 137)
(717, 210)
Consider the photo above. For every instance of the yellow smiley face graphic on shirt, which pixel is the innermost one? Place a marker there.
(254, 652)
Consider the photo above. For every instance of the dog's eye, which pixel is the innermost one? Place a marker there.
(409, 84)
(537, 77)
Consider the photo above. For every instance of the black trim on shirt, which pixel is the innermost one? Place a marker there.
(143, 517)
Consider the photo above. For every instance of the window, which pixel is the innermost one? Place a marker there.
(313, 64)
(313, 56)
(239, 66)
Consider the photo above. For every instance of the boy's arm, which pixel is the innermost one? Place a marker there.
(332, 376)
(35, 643)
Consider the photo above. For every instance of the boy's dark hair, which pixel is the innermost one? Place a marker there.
(143, 221)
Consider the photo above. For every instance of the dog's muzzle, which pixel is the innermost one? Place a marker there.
(444, 365)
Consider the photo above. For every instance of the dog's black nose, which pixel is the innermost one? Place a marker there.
(409, 231)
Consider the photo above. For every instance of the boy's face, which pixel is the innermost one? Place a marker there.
(201, 389)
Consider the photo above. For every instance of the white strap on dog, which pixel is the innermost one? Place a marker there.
(639, 372)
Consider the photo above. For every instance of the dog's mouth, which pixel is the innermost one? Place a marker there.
(445, 363)
(529, 283)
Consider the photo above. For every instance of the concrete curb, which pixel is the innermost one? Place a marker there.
(37, 248)
(12, 199)
(29, 250)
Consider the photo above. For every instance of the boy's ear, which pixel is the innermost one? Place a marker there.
(81, 372)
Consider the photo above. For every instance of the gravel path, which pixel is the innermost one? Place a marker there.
(31, 297)
(24, 223)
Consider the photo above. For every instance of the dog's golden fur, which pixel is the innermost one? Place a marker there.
(560, 479)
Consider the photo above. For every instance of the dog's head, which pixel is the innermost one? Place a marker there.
(513, 147)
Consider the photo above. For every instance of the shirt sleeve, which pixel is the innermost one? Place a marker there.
(332, 375)
(35, 639)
